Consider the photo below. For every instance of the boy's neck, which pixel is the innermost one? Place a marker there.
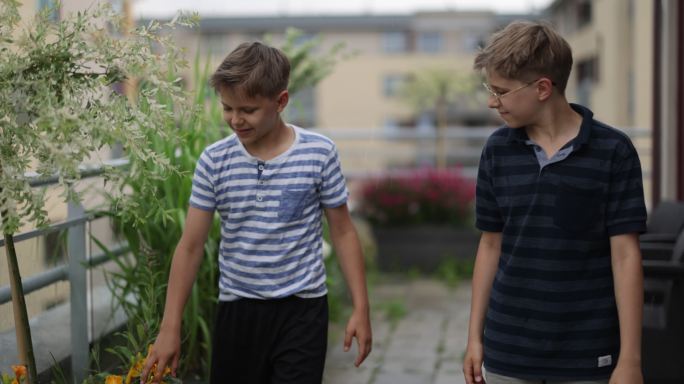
(557, 122)
(274, 144)
(557, 125)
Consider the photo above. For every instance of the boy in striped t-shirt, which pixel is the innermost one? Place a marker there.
(557, 287)
(270, 183)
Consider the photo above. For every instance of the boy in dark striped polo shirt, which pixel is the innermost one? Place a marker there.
(557, 287)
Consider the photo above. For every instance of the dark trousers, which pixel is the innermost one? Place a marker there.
(270, 341)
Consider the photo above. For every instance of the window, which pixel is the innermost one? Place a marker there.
(304, 38)
(395, 42)
(471, 43)
(52, 5)
(117, 6)
(587, 69)
(587, 76)
(301, 110)
(216, 44)
(425, 122)
(310, 39)
(391, 84)
(583, 13)
(429, 42)
(390, 124)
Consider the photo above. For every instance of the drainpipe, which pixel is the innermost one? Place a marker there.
(656, 108)
(679, 167)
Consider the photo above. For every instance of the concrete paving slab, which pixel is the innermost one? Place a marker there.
(425, 345)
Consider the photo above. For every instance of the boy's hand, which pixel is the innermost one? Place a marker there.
(472, 363)
(359, 327)
(626, 373)
(164, 353)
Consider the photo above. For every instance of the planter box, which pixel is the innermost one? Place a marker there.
(423, 247)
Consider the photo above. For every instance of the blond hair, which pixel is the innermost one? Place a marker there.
(524, 49)
(255, 68)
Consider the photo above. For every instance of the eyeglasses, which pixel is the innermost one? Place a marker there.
(498, 96)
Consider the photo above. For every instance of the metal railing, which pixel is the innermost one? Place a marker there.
(75, 271)
(366, 152)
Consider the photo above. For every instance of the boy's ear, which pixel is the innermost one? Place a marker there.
(545, 88)
(283, 98)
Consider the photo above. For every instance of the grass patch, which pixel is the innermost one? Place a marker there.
(393, 310)
(452, 271)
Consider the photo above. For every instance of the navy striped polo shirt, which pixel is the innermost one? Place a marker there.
(552, 312)
(271, 214)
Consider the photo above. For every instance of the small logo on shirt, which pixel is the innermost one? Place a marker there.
(604, 361)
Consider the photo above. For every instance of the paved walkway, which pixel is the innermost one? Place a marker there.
(425, 346)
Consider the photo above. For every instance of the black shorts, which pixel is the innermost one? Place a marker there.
(270, 341)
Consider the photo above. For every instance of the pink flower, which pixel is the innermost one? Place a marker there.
(419, 196)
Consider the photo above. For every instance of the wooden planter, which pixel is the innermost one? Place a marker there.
(423, 247)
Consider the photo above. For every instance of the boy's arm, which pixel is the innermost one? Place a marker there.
(348, 250)
(629, 296)
(186, 261)
(486, 264)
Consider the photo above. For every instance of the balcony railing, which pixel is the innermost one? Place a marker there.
(74, 271)
(365, 152)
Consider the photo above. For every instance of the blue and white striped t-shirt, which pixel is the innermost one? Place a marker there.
(271, 214)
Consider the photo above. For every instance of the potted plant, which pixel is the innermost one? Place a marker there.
(420, 218)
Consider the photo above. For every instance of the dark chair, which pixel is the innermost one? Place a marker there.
(663, 326)
(665, 223)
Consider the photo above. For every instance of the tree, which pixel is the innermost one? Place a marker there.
(436, 88)
(58, 108)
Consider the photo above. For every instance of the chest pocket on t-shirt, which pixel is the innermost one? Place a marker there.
(577, 209)
(293, 202)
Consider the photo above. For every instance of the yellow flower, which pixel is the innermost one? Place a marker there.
(113, 379)
(19, 371)
(14, 381)
(136, 369)
(167, 371)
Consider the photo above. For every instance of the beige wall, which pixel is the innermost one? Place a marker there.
(642, 54)
(27, 10)
(620, 37)
(352, 96)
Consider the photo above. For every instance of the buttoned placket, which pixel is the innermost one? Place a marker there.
(543, 161)
(261, 166)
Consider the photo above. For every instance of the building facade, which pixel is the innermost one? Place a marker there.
(385, 51)
(629, 60)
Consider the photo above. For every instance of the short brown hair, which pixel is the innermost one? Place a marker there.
(524, 49)
(255, 68)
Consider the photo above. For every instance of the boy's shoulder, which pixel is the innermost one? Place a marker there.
(308, 136)
(314, 143)
(608, 137)
(594, 129)
(605, 131)
(222, 147)
(500, 136)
